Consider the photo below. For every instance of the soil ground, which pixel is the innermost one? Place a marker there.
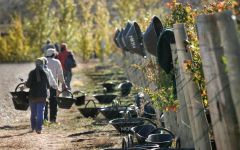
(71, 131)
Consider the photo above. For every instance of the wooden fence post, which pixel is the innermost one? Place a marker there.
(231, 47)
(126, 62)
(194, 101)
(183, 120)
(170, 121)
(226, 106)
(223, 118)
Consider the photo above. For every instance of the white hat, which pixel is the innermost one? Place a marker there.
(50, 52)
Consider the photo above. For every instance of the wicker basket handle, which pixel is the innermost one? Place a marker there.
(90, 101)
(19, 86)
(67, 91)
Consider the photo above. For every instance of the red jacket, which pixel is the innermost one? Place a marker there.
(62, 56)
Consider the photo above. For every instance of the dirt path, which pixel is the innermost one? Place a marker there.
(9, 74)
(72, 131)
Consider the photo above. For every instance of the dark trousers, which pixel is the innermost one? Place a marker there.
(46, 111)
(53, 105)
(68, 77)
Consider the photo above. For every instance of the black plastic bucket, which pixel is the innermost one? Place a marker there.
(142, 132)
(89, 112)
(65, 102)
(80, 99)
(20, 98)
(105, 98)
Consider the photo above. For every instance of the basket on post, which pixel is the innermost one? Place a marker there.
(20, 98)
(89, 112)
(65, 102)
(80, 99)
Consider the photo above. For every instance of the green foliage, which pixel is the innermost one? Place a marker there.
(84, 34)
(84, 25)
(163, 96)
(139, 11)
(184, 13)
(39, 25)
(126, 9)
(14, 47)
(102, 34)
(66, 22)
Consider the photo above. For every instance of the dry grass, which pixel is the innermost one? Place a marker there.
(77, 83)
(14, 144)
(103, 142)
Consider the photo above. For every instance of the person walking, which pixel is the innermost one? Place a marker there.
(46, 46)
(38, 83)
(68, 62)
(53, 84)
(50, 76)
(55, 66)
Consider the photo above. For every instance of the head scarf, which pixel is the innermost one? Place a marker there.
(39, 66)
(63, 47)
(45, 62)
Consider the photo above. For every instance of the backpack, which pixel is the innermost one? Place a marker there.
(70, 62)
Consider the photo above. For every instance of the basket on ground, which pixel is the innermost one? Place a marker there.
(112, 112)
(162, 139)
(141, 132)
(128, 144)
(80, 99)
(105, 98)
(65, 102)
(89, 111)
(123, 125)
